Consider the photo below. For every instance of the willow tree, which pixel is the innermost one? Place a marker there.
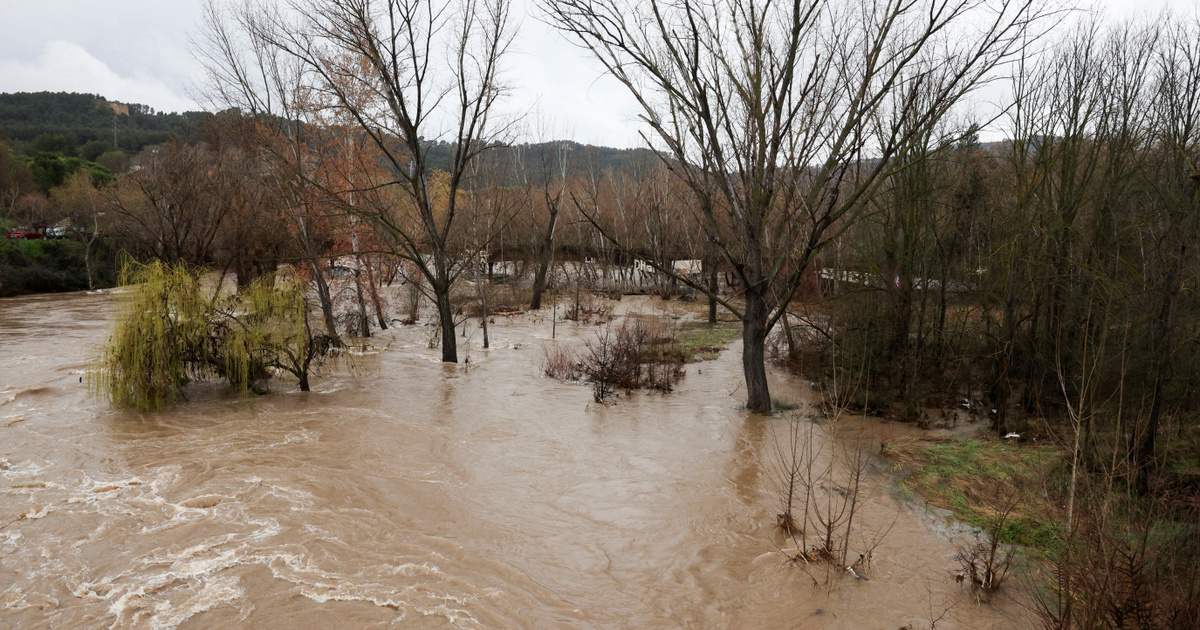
(160, 341)
(176, 328)
(783, 117)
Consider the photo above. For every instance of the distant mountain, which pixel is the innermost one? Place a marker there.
(84, 124)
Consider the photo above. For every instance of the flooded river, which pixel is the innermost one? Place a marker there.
(406, 493)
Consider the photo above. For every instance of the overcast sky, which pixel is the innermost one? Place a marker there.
(137, 51)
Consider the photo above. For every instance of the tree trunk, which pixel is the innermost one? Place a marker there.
(712, 299)
(364, 323)
(711, 271)
(1001, 389)
(326, 302)
(791, 340)
(754, 337)
(241, 273)
(414, 297)
(483, 307)
(446, 317)
(373, 286)
(539, 279)
(1166, 323)
(87, 261)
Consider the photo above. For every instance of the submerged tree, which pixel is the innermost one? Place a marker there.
(783, 118)
(176, 328)
(161, 330)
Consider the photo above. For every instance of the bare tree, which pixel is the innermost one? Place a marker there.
(1173, 218)
(175, 207)
(412, 75)
(489, 209)
(782, 117)
(551, 160)
(266, 86)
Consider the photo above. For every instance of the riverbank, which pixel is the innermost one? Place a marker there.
(54, 266)
(978, 479)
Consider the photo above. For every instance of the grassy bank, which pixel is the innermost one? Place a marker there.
(978, 479)
(701, 341)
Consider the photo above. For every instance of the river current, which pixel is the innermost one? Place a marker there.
(404, 493)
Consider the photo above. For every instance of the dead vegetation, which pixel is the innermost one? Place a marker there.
(587, 308)
(639, 354)
(818, 472)
(984, 562)
(1126, 562)
(562, 363)
(475, 309)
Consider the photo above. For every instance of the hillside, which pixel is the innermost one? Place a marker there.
(83, 124)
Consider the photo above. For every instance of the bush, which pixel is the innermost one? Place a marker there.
(587, 308)
(562, 363)
(635, 357)
(983, 561)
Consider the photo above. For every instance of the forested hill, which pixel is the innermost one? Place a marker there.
(83, 124)
(538, 162)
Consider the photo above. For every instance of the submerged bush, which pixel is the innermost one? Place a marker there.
(634, 356)
(562, 363)
(173, 330)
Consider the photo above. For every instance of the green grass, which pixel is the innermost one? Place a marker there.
(974, 479)
(701, 341)
(32, 249)
(17, 251)
(783, 405)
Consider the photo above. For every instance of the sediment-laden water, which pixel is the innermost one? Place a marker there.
(406, 493)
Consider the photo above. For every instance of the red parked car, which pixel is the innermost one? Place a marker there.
(24, 232)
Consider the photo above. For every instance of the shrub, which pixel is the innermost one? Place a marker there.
(39, 266)
(983, 562)
(587, 308)
(634, 357)
(562, 363)
(637, 355)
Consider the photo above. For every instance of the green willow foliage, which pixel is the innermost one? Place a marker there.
(174, 329)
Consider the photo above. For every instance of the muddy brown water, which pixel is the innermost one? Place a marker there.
(406, 493)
